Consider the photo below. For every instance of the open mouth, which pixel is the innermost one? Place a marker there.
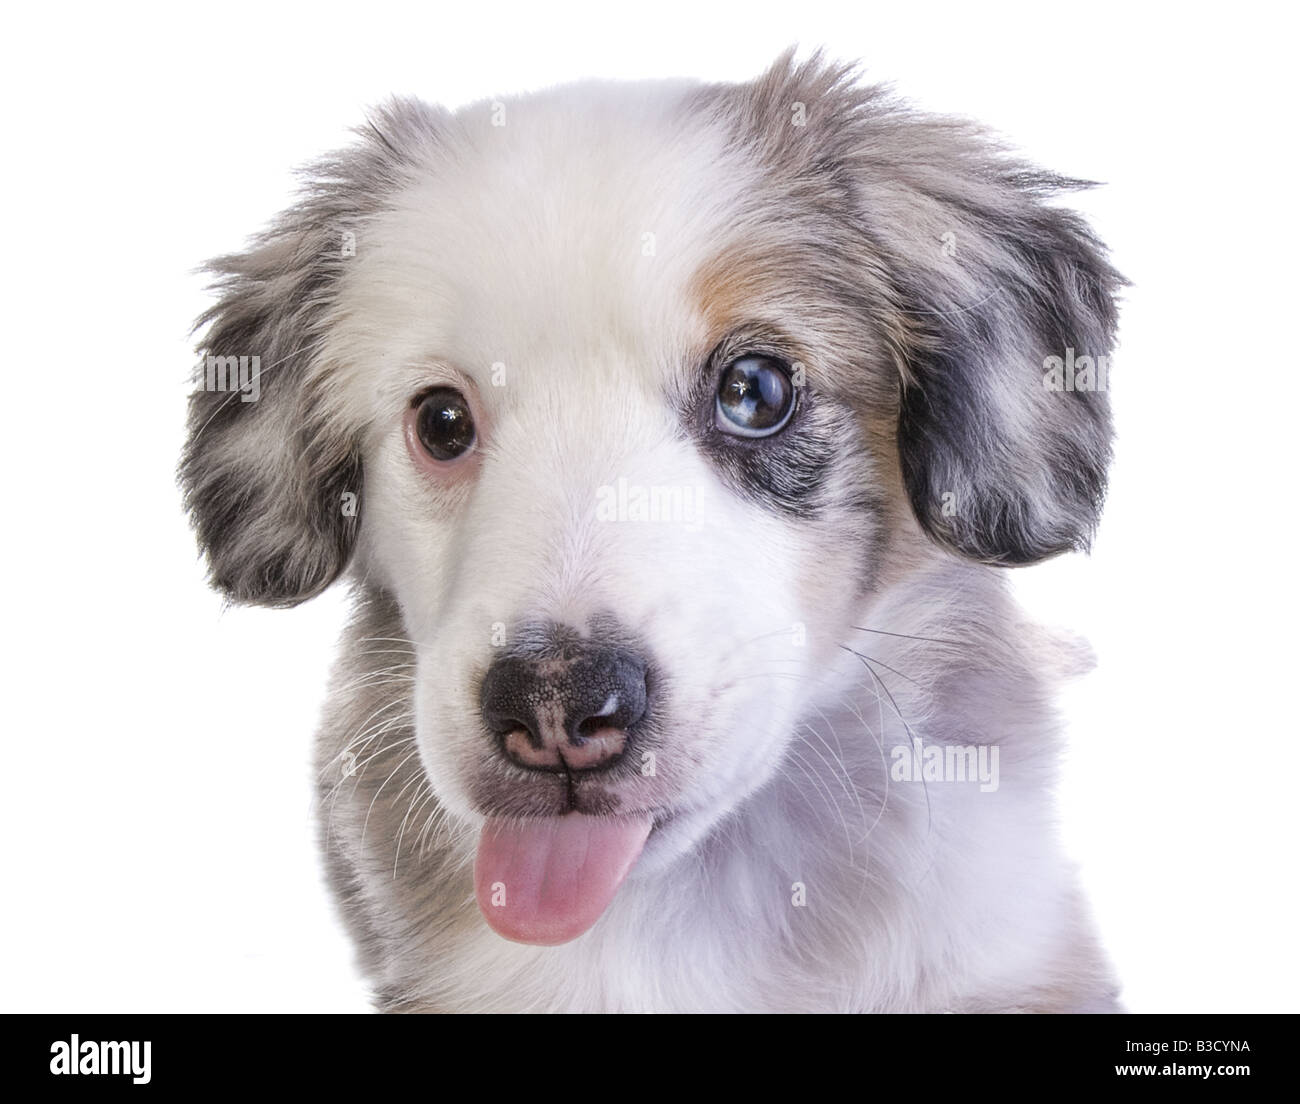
(569, 719)
(546, 880)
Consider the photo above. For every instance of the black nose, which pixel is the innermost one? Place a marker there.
(570, 713)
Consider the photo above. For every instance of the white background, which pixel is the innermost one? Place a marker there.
(155, 820)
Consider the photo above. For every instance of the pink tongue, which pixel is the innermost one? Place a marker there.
(547, 880)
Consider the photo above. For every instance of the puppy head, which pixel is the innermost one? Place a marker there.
(627, 395)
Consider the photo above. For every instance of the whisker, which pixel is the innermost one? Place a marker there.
(825, 789)
(886, 666)
(401, 831)
(866, 662)
(370, 808)
(906, 636)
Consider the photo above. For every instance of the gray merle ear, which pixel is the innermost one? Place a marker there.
(1004, 318)
(271, 470)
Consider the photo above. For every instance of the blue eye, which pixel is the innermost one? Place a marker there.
(755, 397)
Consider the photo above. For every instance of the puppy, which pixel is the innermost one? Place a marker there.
(673, 439)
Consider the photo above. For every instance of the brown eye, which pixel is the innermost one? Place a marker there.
(755, 397)
(443, 424)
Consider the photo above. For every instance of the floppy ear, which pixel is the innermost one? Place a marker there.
(264, 471)
(975, 283)
(271, 471)
(1004, 427)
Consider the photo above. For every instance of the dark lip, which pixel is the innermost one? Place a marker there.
(557, 793)
(659, 815)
